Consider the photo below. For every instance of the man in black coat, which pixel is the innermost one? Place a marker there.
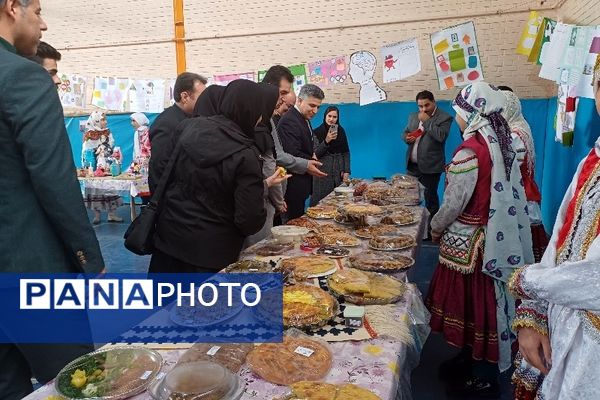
(44, 226)
(296, 137)
(426, 134)
(188, 87)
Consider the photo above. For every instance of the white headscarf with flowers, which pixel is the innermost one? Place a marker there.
(93, 123)
(508, 235)
(143, 123)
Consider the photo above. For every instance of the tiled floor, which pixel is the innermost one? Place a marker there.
(426, 385)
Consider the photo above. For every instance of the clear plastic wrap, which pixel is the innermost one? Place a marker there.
(298, 358)
(364, 288)
(307, 306)
(380, 262)
(392, 243)
(303, 222)
(229, 355)
(198, 380)
(342, 239)
(269, 248)
(332, 251)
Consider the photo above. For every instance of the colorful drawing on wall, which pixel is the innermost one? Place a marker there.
(400, 60)
(147, 95)
(72, 90)
(224, 80)
(110, 93)
(529, 35)
(328, 72)
(456, 56)
(362, 70)
(542, 40)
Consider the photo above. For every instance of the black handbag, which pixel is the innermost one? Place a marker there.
(139, 237)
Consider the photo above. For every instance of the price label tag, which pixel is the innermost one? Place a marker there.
(303, 351)
(213, 350)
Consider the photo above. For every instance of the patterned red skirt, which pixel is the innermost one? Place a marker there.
(463, 309)
(540, 241)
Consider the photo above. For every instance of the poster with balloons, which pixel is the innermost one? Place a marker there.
(456, 56)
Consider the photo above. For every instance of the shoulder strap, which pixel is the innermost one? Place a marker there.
(164, 179)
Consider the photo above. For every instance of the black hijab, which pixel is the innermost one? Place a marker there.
(262, 134)
(340, 144)
(244, 102)
(209, 102)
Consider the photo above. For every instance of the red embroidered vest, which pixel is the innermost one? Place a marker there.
(478, 209)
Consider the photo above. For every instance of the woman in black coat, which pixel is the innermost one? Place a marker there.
(215, 198)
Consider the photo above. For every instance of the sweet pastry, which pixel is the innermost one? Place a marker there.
(306, 390)
(329, 228)
(332, 251)
(380, 262)
(304, 267)
(339, 239)
(249, 266)
(391, 243)
(312, 241)
(229, 355)
(403, 217)
(303, 222)
(321, 212)
(363, 287)
(272, 248)
(369, 232)
(362, 209)
(294, 360)
(307, 306)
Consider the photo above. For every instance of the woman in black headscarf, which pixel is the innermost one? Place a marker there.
(335, 155)
(209, 102)
(215, 198)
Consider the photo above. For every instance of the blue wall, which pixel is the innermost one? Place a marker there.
(374, 133)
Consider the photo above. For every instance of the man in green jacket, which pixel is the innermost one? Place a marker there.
(43, 223)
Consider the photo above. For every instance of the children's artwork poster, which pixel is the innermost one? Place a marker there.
(457, 61)
(542, 40)
(552, 55)
(575, 55)
(72, 90)
(529, 34)
(226, 79)
(584, 86)
(147, 95)
(300, 78)
(400, 60)
(329, 72)
(110, 93)
(261, 75)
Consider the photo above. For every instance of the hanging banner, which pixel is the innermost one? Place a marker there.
(400, 60)
(457, 61)
(552, 55)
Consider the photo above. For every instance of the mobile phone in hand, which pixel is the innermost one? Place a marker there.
(333, 128)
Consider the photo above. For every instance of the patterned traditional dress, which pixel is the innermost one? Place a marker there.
(561, 295)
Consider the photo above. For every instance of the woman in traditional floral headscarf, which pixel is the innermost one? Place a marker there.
(523, 145)
(484, 232)
(98, 137)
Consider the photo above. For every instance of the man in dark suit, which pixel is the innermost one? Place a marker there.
(426, 135)
(188, 87)
(44, 226)
(296, 137)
